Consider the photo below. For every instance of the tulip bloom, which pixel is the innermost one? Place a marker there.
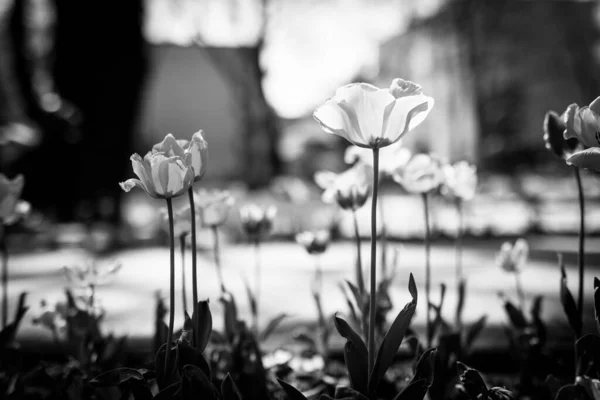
(350, 189)
(391, 159)
(10, 192)
(583, 124)
(181, 220)
(161, 176)
(459, 180)
(213, 207)
(91, 274)
(196, 148)
(314, 242)
(554, 136)
(512, 258)
(370, 117)
(256, 221)
(422, 174)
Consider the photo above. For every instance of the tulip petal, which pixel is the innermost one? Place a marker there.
(334, 120)
(198, 150)
(572, 122)
(402, 88)
(141, 167)
(325, 179)
(590, 127)
(595, 105)
(407, 113)
(131, 183)
(589, 159)
(169, 146)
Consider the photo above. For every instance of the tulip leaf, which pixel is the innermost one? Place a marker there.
(196, 385)
(588, 354)
(230, 316)
(391, 343)
(425, 367)
(536, 307)
(416, 390)
(251, 298)
(202, 324)
(572, 392)
(272, 325)
(117, 377)
(412, 288)
(291, 392)
(462, 291)
(188, 355)
(357, 368)
(350, 305)
(163, 380)
(516, 316)
(346, 393)
(471, 380)
(568, 303)
(348, 333)
(474, 330)
(229, 390)
(358, 298)
(169, 392)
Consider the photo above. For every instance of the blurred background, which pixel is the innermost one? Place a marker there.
(85, 84)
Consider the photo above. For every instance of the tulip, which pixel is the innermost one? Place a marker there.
(314, 242)
(459, 180)
(422, 174)
(196, 148)
(213, 208)
(350, 190)
(391, 158)
(583, 123)
(555, 132)
(161, 176)
(10, 192)
(512, 259)
(91, 273)
(257, 222)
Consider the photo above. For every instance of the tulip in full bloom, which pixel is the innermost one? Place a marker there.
(583, 124)
(554, 136)
(459, 180)
(512, 258)
(257, 222)
(314, 242)
(350, 189)
(10, 192)
(422, 174)
(91, 274)
(161, 176)
(196, 148)
(213, 207)
(370, 117)
(391, 159)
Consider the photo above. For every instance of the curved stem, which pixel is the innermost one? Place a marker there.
(373, 293)
(581, 254)
(257, 274)
(427, 267)
(194, 261)
(217, 255)
(172, 286)
(4, 278)
(183, 290)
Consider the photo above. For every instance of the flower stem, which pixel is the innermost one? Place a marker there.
(194, 262)
(520, 293)
(383, 235)
(427, 267)
(183, 291)
(257, 274)
(373, 293)
(317, 288)
(459, 257)
(172, 286)
(4, 278)
(360, 282)
(581, 254)
(217, 255)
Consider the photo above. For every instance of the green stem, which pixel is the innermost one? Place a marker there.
(427, 267)
(194, 262)
(172, 286)
(257, 274)
(581, 254)
(316, 292)
(459, 258)
(373, 293)
(360, 281)
(520, 293)
(183, 290)
(4, 278)
(217, 255)
(383, 235)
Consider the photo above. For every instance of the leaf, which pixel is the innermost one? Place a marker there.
(290, 391)
(357, 367)
(471, 380)
(572, 392)
(587, 349)
(230, 316)
(568, 303)
(196, 385)
(412, 288)
(169, 392)
(425, 367)
(271, 326)
(350, 304)
(188, 355)
(462, 290)
(251, 298)
(202, 324)
(348, 333)
(474, 330)
(414, 391)
(358, 299)
(116, 377)
(516, 317)
(161, 379)
(229, 390)
(391, 343)
(536, 306)
(345, 393)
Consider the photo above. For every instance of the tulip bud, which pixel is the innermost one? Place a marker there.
(459, 180)
(422, 174)
(314, 242)
(10, 192)
(212, 207)
(350, 189)
(512, 258)
(554, 136)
